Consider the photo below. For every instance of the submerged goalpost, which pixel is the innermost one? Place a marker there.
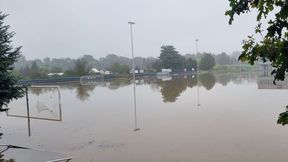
(42, 102)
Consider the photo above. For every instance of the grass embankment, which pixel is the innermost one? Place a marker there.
(234, 68)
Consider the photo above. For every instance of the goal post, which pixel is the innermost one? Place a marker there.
(42, 102)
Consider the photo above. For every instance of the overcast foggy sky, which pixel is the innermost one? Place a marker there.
(72, 28)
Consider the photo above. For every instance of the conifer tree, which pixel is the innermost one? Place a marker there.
(8, 56)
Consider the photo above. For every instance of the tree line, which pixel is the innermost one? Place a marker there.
(169, 58)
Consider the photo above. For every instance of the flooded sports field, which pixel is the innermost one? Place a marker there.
(209, 118)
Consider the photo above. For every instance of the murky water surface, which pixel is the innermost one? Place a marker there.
(219, 118)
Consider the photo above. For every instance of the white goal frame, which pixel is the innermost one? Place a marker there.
(27, 102)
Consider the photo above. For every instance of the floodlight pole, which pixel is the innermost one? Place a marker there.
(132, 47)
(197, 72)
(28, 111)
(133, 69)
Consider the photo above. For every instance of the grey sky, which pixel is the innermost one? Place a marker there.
(71, 28)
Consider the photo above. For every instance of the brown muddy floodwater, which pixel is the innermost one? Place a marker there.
(223, 118)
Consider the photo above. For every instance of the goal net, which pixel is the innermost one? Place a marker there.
(43, 101)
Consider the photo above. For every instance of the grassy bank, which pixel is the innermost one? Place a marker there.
(234, 68)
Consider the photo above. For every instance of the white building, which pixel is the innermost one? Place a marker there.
(55, 74)
(166, 70)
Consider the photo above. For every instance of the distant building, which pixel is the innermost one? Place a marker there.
(105, 72)
(55, 74)
(164, 73)
(137, 71)
(96, 71)
(166, 70)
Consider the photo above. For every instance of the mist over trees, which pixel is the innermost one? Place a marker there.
(169, 58)
(207, 62)
(119, 69)
(224, 59)
(32, 69)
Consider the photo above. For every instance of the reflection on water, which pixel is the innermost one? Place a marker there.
(2, 159)
(136, 128)
(235, 119)
(115, 84)
(169, 88)
(223, 79)
(83, 91)
(266, 81)
(207, 80)
(283, 117)
(40, 103)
